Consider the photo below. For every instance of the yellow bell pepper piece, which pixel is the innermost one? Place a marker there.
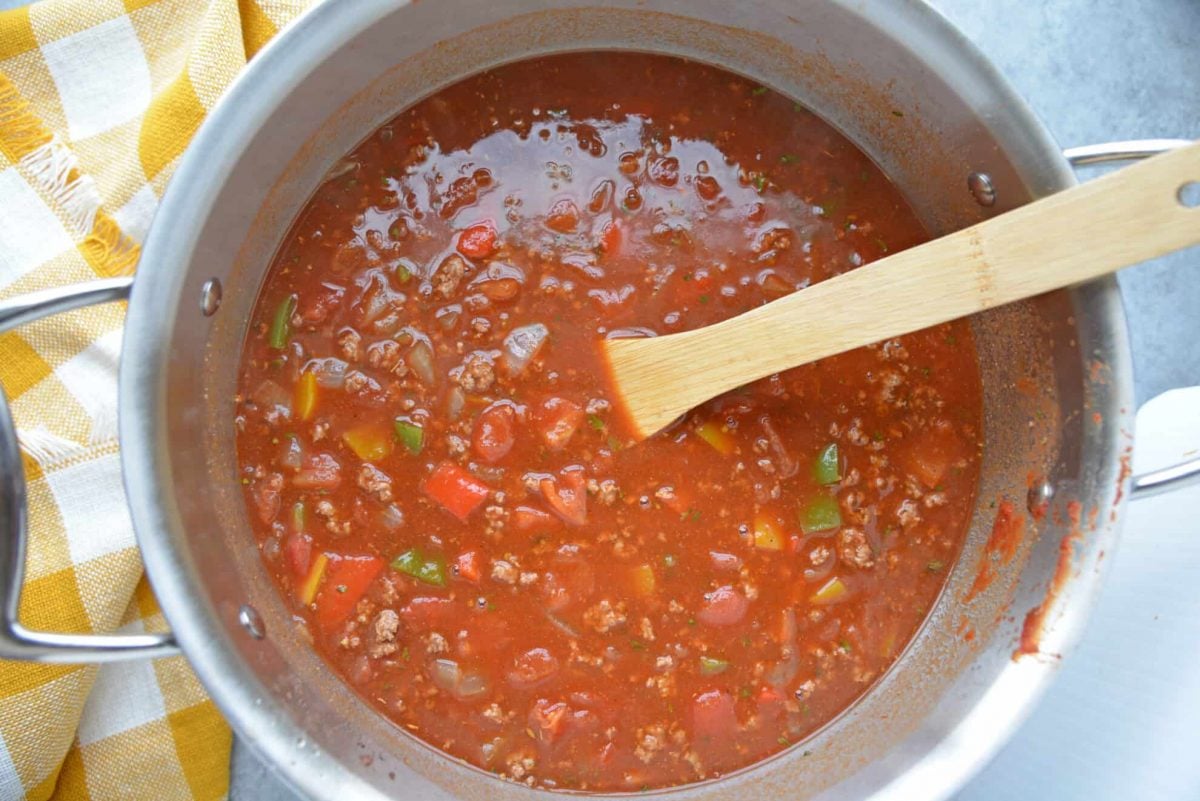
(306, 396)
(370, 442)
(712, 433)
(767, 534)
(308, 590)
(831, 592)
(643, 579)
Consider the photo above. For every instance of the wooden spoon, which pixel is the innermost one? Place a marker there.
(1123, 218)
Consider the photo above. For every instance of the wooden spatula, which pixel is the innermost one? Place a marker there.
(1126, 217)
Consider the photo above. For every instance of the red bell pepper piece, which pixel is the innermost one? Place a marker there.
(459, 492)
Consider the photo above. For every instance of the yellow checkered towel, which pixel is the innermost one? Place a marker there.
(98, 99)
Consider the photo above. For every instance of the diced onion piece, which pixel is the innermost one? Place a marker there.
(472, 685)
(420, 359)
(767, 533)
(830, 592)
(712, 433)
(785, 465)
(456, 399)
(269, 395)
(391, 517)
(292, 457)
(298, 515)
(522, 345)
(305, 402)
(643, 580)
(711, 666)
(369, 442)
(308, 588)
(446, 674)
(821, 514)
(330, 372)
(827, 468)
(562, 626)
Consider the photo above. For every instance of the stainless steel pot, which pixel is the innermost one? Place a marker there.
(893, 76)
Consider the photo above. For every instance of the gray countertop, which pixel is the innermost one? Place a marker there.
(1095, 71)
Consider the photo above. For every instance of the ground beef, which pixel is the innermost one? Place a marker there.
(605, 616)
(650, 740)
(375, 482)
(385, 355)
(606, 491)
(907, 513)
(448, 275)
(333, 524)
(504, 571)
(477, 374)
(854, 548)
(349, 343)
(383, 631)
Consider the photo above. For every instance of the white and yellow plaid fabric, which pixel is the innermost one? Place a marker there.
(98, 99)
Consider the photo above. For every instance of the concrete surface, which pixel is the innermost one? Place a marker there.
(1094, 70)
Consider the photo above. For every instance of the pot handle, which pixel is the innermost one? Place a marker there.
(16, 641)
(1185, 473)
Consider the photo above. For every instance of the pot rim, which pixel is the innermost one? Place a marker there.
(277, 69)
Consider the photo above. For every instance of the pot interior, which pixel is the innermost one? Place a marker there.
(900, 84)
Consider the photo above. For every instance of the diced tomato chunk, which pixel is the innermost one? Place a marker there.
(557, 420)
(724, 606)
(727, 562)
(424, 613)
(298, 550)
(563, 216)
(467, 566)
(530, 520)
(459, 492)
(566, 583)
(567, 495)
(610, 237)
(346, 581)
(495, 432)
(532, 668)
(478, 241)
(546, 720)
(320, 471)
(931, 454)
(265, 492)
(713, 715)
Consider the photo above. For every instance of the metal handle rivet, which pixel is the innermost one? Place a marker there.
(980, 184)
(252, 621)
(210, 297)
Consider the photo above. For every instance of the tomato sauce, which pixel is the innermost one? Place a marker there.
(444, 494)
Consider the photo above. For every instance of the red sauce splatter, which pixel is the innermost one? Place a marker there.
(1003, 544)
(1035, 619)
(1125, 472)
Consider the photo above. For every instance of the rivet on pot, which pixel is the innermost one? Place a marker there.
(210, 297)
(252, 621)
(980, 184)
(1039, 498)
